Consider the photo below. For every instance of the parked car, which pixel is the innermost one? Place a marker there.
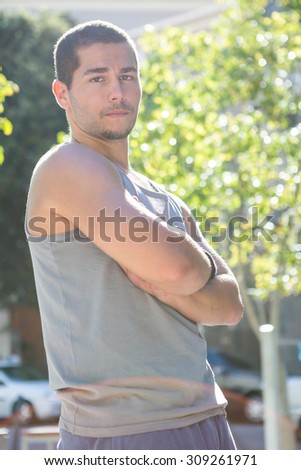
(242, 385)
(25, 395)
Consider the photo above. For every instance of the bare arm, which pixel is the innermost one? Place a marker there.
(217, 303)
(84, 188)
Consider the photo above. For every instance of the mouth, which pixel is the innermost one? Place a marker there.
(117, 113)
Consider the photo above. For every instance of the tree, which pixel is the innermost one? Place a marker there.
(220, 126)
(26, 46)
(7, 88)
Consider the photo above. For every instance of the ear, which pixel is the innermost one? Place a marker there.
(60, 91)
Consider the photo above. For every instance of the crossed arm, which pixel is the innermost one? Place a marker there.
(216, 303)
(80, 184)
(83, 188)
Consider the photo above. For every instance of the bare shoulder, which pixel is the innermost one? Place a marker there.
(69, 174)
(72, 158)
(70, 169)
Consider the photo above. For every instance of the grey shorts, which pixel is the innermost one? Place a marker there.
(209, 434)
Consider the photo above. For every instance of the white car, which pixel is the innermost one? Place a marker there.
(25, 396)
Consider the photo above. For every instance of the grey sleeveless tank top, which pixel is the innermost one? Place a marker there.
(121, 361)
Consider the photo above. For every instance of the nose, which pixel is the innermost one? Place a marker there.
(116, 91)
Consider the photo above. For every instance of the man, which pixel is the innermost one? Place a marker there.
(123, 276)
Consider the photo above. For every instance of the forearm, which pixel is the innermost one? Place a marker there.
(218, 303)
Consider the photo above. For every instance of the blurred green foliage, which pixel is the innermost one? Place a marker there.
(26, 48)
(7, 88)
(220, 126)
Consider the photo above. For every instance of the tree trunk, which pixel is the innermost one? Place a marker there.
(249, 308)
(286, 426)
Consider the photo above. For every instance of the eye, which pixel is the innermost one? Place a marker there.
(96, 79)
(127, 77)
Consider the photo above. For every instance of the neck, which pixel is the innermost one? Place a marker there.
(114, 150)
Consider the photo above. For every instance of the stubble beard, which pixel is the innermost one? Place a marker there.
(102, 132)
(108, 134)
(97, 130)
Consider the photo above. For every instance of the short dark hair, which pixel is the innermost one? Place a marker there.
(66, 60)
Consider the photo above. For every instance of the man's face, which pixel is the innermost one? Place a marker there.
(105, 92)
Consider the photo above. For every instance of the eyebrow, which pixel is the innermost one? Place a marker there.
(106, 69)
